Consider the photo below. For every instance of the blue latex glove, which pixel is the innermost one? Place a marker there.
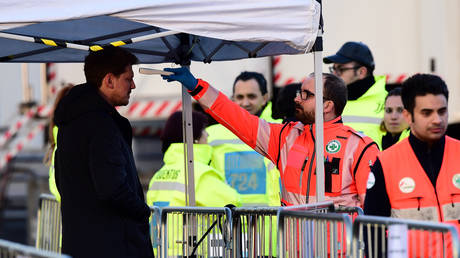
(183, 76)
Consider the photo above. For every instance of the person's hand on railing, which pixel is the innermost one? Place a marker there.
(181, 75)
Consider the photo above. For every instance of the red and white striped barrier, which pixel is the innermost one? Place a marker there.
(51, 78)
(278, 78)
(18, 146)
(146, 130)
(150, 109)
(42, 111)
(396, 78)
(281, 79)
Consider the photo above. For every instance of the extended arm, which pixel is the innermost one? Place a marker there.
(255, 132)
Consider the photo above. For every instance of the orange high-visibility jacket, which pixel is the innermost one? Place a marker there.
(410, 191)
(348, 155)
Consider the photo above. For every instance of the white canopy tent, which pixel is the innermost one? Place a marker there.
(162, 31)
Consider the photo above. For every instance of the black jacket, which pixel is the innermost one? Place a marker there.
(103, 209)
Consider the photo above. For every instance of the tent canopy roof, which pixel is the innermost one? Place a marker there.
(210, 30)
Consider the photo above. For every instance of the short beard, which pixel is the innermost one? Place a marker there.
(305, 117)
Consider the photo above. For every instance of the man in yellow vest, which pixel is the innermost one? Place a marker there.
(252, 175)
(366, 93)
(418, 178)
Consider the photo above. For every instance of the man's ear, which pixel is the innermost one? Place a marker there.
(362, 72)
(407, 116)
(266, 97)
(328, 107)
(108, 81)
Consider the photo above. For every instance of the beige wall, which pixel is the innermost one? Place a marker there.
(403, 36)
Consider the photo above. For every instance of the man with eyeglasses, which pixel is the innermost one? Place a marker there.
(366, 93)
(291, 146)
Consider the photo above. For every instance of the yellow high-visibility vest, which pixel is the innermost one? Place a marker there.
(366, 113)
(253, 176)
(167, 186)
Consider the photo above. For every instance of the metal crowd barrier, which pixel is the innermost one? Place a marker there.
(308, 234)
(14, 250)
(352, 211)
(424, 239)
(195, 232)
(49, 226)
(255, 228)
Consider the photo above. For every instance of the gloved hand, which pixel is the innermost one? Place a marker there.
(183, 76)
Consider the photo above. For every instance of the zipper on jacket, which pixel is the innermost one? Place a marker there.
(440, 215)
(301, 173)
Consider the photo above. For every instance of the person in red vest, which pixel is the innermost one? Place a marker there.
(348, 154)
(418, 178)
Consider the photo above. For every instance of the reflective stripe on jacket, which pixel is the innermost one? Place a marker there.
(167, 186)
(366, 113)
(294, 144)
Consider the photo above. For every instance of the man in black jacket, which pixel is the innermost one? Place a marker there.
(103, 209)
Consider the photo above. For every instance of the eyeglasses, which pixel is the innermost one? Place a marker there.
(340, 70)
(304, 94)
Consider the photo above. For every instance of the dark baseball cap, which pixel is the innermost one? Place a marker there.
(352, 51)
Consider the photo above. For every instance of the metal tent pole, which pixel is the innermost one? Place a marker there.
(319, 122)
(187, 129)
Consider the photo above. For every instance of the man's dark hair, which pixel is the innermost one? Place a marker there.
(336, 91)
(109, 60)
(172, 132)
(246, 76)
(421, 85)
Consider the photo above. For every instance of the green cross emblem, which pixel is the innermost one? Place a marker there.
(333, 146)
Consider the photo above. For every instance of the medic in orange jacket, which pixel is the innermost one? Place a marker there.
(348, 154)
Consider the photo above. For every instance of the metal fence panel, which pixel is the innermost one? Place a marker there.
(49, 226)
(424, 239)
(308, 234)
(195, 231)
(255, 228)
(12, 250)
(353, 211)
